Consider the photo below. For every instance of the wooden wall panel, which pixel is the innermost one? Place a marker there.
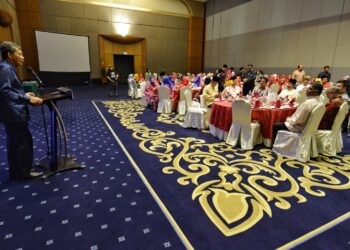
(195, 44)
(108, 49)
(29, 19)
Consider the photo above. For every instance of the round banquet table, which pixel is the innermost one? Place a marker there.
(221, 119)
(177, 97)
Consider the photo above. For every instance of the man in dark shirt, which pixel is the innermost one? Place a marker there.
(14, 113)
(325, 74)
(250, 73)
(112, 78)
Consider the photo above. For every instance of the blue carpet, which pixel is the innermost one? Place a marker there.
(325, 240)
(222, 197)
(104, 206)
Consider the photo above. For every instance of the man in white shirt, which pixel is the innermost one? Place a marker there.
(305, 84)
(299, 74)
(261, 89)
(297, 122)
(289, 92)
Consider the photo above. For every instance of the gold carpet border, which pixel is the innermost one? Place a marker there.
(241, 189)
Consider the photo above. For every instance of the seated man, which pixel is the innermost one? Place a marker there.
(344, 86)
(231, 89)
(332, 108)
(289, 92)
(210, 92)
(297, 122)
(305, 84)
(261, 89)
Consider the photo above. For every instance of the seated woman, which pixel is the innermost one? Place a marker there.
(332, 108)
(261, 89)
(289, 92)
(325, 82)
(231, 89)
(150, 91)
(197, 82)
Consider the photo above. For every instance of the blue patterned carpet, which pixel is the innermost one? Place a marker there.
(104, 206)
(223, 197)
(108, 206)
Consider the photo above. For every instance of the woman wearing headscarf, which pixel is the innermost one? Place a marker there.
(197, 82)
(150, 91)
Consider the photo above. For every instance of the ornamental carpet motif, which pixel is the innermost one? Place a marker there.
(236, 189)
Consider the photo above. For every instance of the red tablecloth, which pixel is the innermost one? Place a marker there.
(177, 97)
(221, 117)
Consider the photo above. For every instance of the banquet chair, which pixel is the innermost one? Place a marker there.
(242, 130)
(300, 146)
(195, 116)
(182, 105)
(330, 142)
(133, 89)
(324, 97)
(201, 98)
(130, 88)
(165, 103)
(302, 96)
(142, 94)
(274, 88)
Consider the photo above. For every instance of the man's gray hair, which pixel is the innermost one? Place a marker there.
(334, 90)
(8, 47)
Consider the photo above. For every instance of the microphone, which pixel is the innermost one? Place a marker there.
(29, 69)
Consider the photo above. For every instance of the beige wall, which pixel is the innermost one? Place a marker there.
(166, 36)
(276, 35)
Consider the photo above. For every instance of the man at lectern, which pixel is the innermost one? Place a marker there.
(15, 115)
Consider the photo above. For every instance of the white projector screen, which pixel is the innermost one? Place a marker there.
(62, 53)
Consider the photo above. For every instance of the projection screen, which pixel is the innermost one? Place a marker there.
(62, 53)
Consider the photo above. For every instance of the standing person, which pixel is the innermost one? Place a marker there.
(112, 78)
(148, 74)
(299, 74)
(325, 74)
(249, 73)
(14, 113)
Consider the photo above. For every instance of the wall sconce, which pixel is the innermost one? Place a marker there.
(122, 28)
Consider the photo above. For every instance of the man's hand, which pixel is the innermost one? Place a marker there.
(30, 94)
(35, 100)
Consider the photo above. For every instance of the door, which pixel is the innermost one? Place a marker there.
(124, 65)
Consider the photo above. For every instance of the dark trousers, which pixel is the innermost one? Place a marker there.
(278, 126)
(19, 149)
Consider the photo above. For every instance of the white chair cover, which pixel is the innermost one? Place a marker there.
(133, 89)
(142, 94)
(201, 98)
(130, 91)
(274, 88)
(164, 105)
(196, 116)
(300, 146)
(242, 128)
(330, 142)
(324, 97)
(302, 96)
(185, 100)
